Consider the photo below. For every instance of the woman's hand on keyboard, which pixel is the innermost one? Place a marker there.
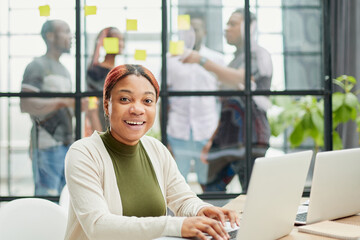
(201, 226)
(220, 214)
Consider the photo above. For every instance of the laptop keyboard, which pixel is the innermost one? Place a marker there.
(231, 231)
(301, 217)
(232, 234)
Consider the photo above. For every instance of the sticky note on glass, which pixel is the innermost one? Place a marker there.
(90, 10)
(176, 47)
(184, 22)
(140, 55)
(44, 10)
(92, 103)
(131, 24)
(111, 45)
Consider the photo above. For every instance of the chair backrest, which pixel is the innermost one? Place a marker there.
(32, 219)
(64, 199)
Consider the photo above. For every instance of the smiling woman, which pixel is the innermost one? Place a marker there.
(121, 182)
(131, 105)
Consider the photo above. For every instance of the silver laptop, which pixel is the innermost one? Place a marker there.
(335, 188)
(273, 196)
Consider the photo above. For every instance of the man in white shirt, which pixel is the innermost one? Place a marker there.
(192, 120)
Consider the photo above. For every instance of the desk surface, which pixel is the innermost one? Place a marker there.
(294, 235)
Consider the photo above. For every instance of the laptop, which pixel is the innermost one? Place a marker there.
(273, 197)
(335, 188)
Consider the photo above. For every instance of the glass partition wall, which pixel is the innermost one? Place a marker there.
(214, 125)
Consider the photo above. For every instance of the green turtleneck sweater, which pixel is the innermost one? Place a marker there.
(136, 179)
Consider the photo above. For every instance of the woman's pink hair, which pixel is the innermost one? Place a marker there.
(121, 71)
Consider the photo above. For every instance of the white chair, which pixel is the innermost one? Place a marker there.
(64, 199)
(32, 219)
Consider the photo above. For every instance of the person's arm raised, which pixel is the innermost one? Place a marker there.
(225, 74)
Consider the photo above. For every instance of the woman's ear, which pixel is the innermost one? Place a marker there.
(106, 107)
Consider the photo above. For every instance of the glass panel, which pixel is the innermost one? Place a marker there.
(24, 144)
(302, 30)
(206, 36)
(134, 44)
(277, 81)
(301, 2)
(50, 137)
(303, 72)
(263, 3)
(272, 134)
(191, 123)
(94, 118)
(18, 48)
(21, 39)
(15, 165)
(269, 20)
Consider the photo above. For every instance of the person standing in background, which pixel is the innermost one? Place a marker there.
(95, 78)
(52, 131)
(225, 152)
(192, 120)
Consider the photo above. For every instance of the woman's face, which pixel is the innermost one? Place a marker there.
(131, 109)
(117, 34)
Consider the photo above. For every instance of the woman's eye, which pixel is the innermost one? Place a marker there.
(148, 101)
(124, 99)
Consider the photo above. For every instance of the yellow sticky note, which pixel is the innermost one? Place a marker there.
(90, 10)
(131, 25)
(111, 45)
(92, 103)
(140, 55)
(176, 47)
(44, 10)
(184, 22)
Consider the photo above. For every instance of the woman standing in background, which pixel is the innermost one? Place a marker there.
(95, 78)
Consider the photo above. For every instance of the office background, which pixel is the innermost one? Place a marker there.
(310, 42)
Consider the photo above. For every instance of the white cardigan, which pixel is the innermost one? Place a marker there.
(95, 210)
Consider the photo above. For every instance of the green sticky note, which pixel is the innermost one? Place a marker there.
(111, 45)
(184, 22)
(131, 25)
(140, 55)
(176, 47)
(44, 10)
(90, 10)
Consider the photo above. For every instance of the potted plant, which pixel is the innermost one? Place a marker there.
(304, 116)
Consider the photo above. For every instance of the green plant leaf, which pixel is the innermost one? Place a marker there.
(343, 114)
(338, 82)
(337, 143)
(337, 100)
(318, 120)
(351, 79)
(282, 101)
(307, 121)
(348, 88)
(351, 100)
(353, 114)
(318, 138)
(297, 135)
